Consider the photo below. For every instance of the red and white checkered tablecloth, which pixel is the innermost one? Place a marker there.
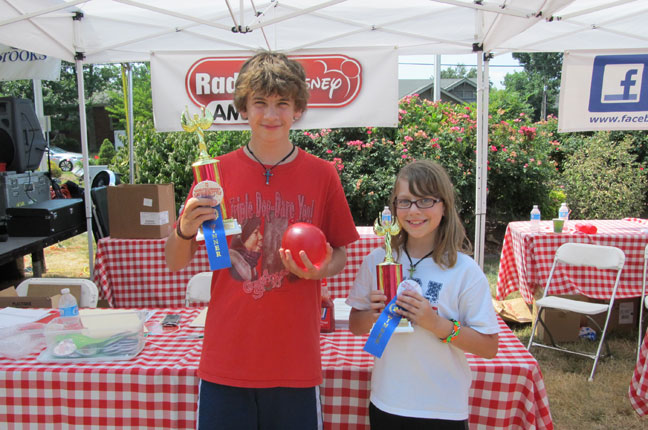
(159, 388)
(638, 391)
(527, 257)
(155, 390)
(133, 272)
(340, 284)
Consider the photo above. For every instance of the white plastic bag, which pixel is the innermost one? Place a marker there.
(21, 340)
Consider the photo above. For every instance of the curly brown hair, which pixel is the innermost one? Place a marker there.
(271, 73)
(427, 178)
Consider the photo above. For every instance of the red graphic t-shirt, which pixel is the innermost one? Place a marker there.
(262, 327)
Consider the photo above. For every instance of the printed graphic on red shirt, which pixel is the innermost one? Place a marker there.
(255, 251)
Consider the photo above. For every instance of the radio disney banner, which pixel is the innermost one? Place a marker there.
(348, 88)
(604, 90)
(16, 64)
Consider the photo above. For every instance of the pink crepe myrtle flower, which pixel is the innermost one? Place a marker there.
(337, 163)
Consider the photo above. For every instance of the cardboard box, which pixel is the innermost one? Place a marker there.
(38, 296)
(144, 211)
(564, 326)
(624, 316)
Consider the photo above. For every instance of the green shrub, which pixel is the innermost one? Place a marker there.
(106, 152)
(603, 180)
(55, 169)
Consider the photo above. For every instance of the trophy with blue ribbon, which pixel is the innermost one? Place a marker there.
(207, 178)
(389, 277)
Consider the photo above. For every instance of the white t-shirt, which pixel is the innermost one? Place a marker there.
(418, 375)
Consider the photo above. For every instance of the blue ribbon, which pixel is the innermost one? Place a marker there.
(382, 330)
(216, 243)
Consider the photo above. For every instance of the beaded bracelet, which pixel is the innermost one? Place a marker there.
(182, 236)
(456, 327)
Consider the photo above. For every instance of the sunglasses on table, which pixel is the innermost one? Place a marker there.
(426, 203)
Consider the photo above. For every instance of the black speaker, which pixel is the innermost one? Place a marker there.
(21, 140)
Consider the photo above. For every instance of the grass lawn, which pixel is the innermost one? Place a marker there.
(575, 403)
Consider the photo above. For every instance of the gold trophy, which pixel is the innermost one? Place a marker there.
(389, 273)
(206, 172)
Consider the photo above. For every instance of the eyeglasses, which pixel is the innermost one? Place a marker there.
(426, 203)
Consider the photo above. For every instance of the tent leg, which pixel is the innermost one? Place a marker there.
(86, 164)
(482, 158)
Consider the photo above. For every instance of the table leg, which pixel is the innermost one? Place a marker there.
(38, 263)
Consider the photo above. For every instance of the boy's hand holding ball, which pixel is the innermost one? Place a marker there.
(304, 250)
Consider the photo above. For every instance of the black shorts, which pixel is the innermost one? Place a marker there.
(280, 408)
(381, 420)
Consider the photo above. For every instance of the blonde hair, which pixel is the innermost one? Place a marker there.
(427, 178)
(271, 73)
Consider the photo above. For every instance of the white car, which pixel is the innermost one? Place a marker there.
(63, 158)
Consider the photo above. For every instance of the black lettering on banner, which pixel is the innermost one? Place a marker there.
(22, 56)
(230, 115)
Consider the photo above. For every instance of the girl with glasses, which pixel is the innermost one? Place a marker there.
(422, 379)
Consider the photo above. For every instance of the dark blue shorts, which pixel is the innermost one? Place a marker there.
(223, 407)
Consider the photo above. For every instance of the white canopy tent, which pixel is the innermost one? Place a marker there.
(104, 31)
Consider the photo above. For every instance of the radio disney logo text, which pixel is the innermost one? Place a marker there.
(619, 83)
(334, 81)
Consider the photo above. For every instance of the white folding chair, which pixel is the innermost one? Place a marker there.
(89, 290)
(644, 300)
(583, 255)
(199, 288)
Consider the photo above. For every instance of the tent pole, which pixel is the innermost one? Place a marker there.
(78, 59)
(131, 158)
(482, 158)
(86, 164)
(38, 107)
(437, 77)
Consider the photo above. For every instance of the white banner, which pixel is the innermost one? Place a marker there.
(349, 87)
(20, 64)
(604, 90)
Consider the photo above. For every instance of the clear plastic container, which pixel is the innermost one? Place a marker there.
(101, 337)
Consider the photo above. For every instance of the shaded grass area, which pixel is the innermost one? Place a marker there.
(575, 403)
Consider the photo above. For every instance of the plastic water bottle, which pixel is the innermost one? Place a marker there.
(386, 217)
(563, 212)
(69, 310)
(535, 218)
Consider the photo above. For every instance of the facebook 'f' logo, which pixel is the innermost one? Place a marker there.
(619, 83)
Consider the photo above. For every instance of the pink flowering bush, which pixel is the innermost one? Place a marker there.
(520, 169)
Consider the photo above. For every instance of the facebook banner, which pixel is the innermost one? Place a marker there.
(604, 91)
